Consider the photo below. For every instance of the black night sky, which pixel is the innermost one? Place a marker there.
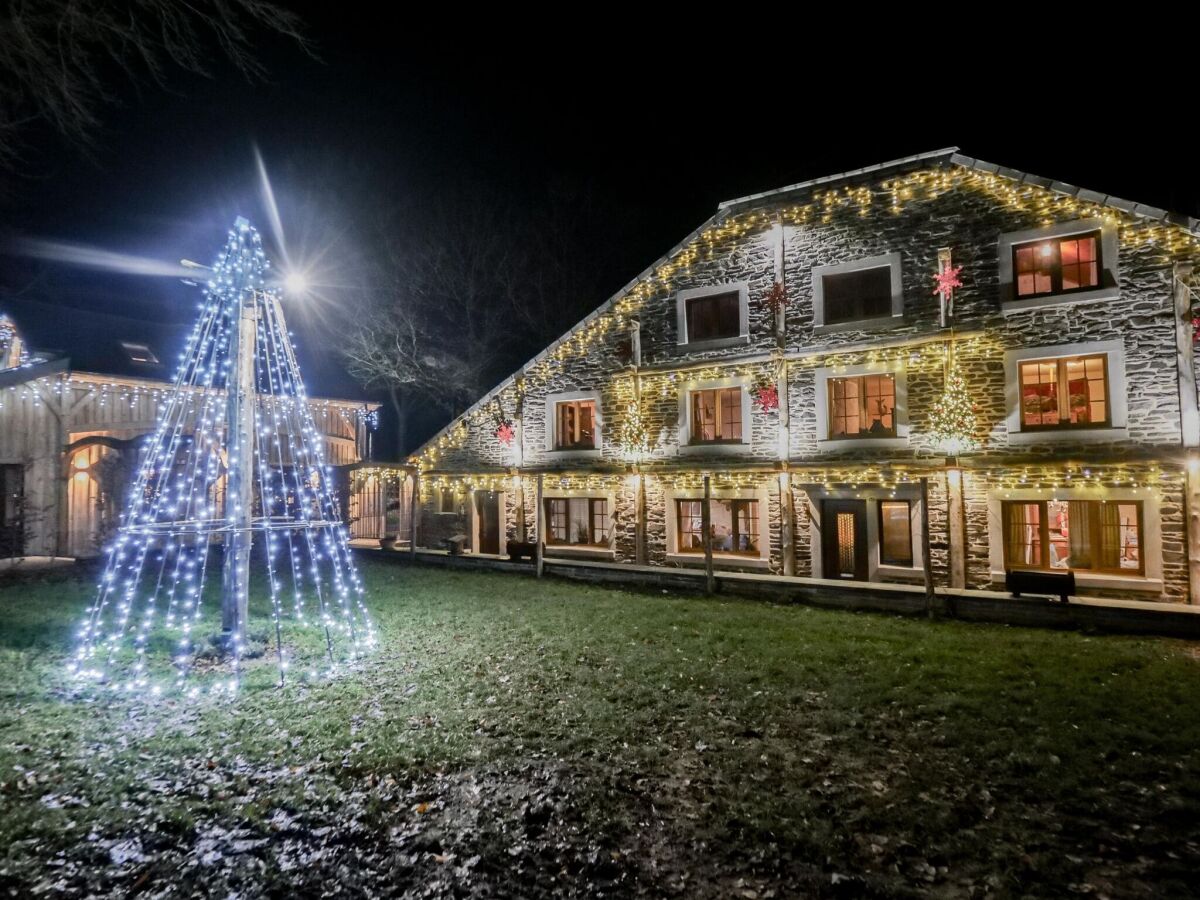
(640, 128)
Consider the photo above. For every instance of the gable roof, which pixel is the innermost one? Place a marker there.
(727, 208)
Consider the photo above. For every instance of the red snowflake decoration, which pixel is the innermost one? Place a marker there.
(1196, 328)
(766, 397)
(776, 298)
(947, 280)
(505, 433)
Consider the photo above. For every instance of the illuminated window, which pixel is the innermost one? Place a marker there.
(860, 294)
(1057, 265)
(1070, 392)
(447, 503)
(717, 416)
(1089, 535)
(139, 353)
(734, 526)
(714, 317)
(895, 533)
(581, 521)
(862, 406)
(575, 426)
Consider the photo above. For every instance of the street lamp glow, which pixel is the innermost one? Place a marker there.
(295, 283)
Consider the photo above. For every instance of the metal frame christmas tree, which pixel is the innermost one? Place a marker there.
(235, 461)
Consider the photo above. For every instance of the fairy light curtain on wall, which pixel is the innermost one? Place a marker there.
(235, 465)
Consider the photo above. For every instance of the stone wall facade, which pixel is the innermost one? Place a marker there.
(629, 355)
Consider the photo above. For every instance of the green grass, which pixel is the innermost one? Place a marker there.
(546, 738)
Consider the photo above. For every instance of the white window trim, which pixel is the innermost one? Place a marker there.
(1151, 582)
(1118, 395)
(1109, 247)
(681, 301)
(686, 448)
(892, 260)
(826, 444)
(441, 492)
(872, 496)
(589, 552)
(552, 401)
(760, 494)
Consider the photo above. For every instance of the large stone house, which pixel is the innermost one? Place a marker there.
(792, 354)
(78, 389)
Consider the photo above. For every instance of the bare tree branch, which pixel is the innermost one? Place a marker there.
(57, 56)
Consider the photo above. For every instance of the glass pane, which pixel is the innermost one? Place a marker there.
(1039, 394)
(713, 317)
(864, 294)
(1022, 535)
(895, 533)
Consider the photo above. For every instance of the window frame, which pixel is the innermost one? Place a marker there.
(693, 419)
(445, 493)
(734, 503)
(1094, 538)
(1064, 392)
(892, 261)
(830, 416)
(131, 347)
(691, 303)
(908, 531)
(592, 543)
(1109, 259)
(1116, 387)
(684, 297)
(549, 425)
(1056, 288)
(576, 402)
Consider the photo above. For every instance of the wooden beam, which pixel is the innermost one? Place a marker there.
(414, 511)
(639, 525)
(710, 581)
(539, 518)
(926, 562)
(957, 524)
(787, 515)
(1189, 414)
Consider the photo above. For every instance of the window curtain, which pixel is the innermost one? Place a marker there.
(1079, 525)
(1014, 535)
(1110, 535)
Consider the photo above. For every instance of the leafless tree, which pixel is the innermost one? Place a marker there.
(57, 57)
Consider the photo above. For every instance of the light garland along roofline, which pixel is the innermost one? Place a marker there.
(159, 384)
(953, 157)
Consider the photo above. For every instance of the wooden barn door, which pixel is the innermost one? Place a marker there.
(487, 509)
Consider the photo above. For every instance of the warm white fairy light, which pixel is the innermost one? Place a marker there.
(157, 567)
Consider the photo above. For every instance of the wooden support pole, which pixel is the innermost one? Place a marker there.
(926, 562)
(540, 519)
(957, 524)
(639, 525)
(519, 488)
(710, 581)
(787, 515)
(414, 507)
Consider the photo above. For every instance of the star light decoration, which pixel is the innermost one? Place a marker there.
(505, 433)
(236, 460)
(946, 281)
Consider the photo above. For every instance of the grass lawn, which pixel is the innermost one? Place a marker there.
(537, 739)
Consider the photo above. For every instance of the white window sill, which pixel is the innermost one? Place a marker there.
(907, 572)
(832, 446)
(715, 449)
(1107, 582)
(873, 324)
(741, 340)
(565, 551)
(720, 559)
(1070, 436)
(1048, 302)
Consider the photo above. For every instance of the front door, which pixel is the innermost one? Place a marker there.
(487, 517)
(12, 494)
(844, 539)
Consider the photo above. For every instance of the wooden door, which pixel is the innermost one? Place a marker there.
(844, 539)
(487, 518)
(12, 525)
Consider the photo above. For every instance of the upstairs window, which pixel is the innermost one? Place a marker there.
(717, 416)
(1057, 265)
(577, 521)
(862, 406)
(139, 353)
(575, 426)
(1088, 535)
(855, 295)
(1071, 392)
(733, 525)
(714, 317)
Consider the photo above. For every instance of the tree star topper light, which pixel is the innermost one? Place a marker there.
(235, 464)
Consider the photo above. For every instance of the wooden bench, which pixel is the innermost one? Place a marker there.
(1034, 581)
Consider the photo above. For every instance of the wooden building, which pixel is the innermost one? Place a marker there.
(78, 389)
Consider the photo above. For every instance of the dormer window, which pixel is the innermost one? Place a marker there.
(139, 353)
(714, 316)
(576, 425)
(861, 294)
